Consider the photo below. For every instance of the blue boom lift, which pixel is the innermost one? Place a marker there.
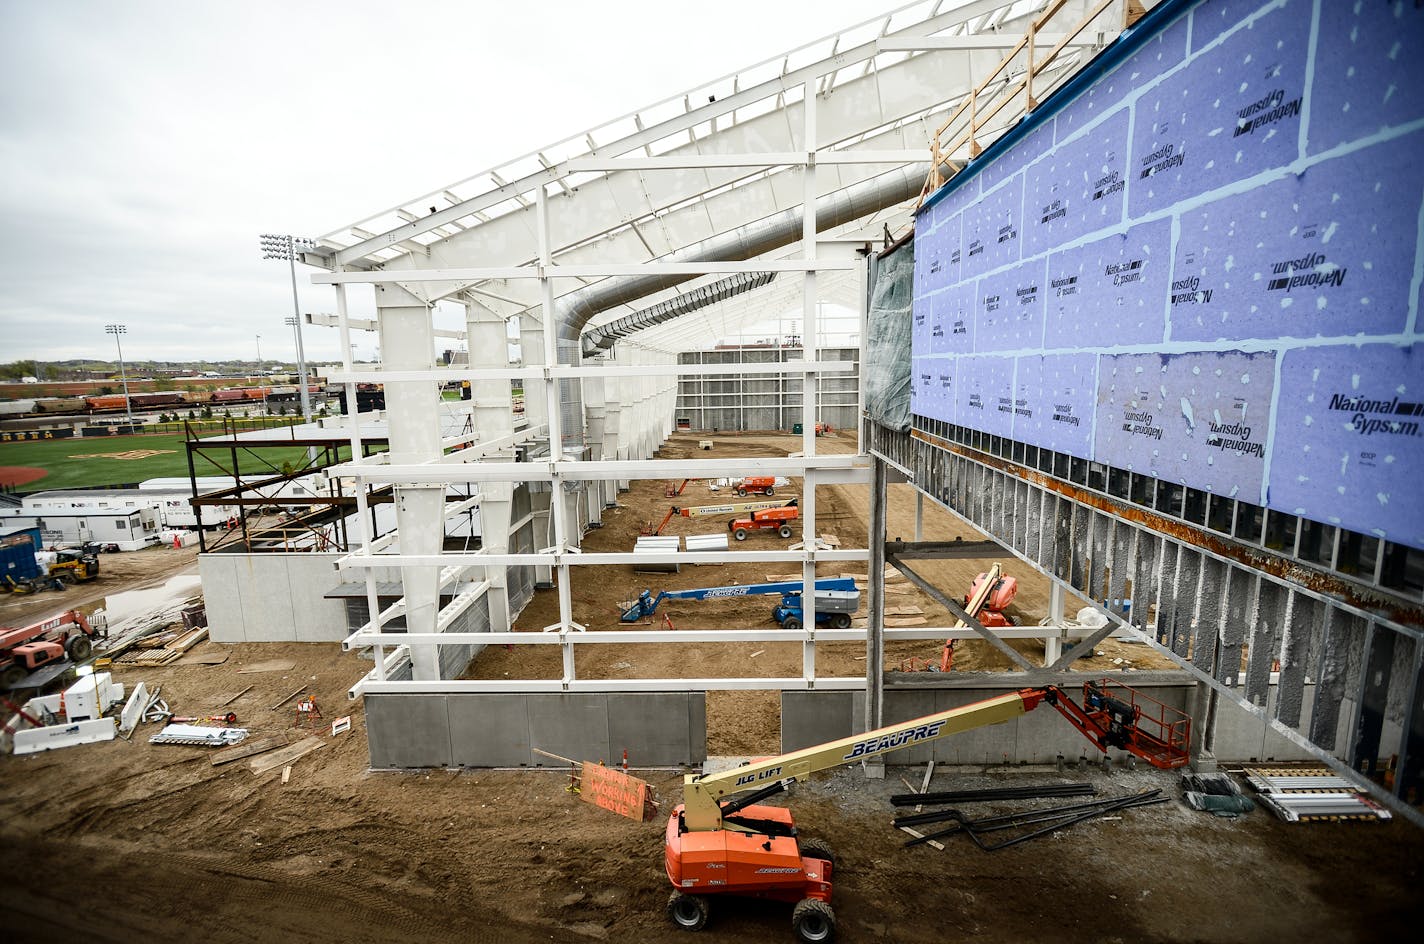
(836, 599)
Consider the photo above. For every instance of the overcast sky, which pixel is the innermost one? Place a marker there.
(145, 145)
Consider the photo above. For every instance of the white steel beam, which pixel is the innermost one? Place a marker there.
(328, 320)
(361, 638)
(593, 271)
(369, 686)
(553, 558)
(451, 374)
(980, 41)
(547, 470)
(764, 159)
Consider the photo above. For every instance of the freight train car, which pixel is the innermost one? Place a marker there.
(240, 394)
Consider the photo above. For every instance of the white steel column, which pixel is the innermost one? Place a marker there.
(565, 536)
(594, 404)
(493, 413)
(1053, 645)
(408, 343)
(364, 524)
(808, 381)
(536, 414)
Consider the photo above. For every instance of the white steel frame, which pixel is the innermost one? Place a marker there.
(351, 261)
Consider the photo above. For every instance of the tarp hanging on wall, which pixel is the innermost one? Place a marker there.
(887, 343)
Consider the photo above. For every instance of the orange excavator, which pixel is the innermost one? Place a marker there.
(717, 846)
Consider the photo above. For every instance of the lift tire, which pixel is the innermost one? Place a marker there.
(840, 621)
(770, 492)
(740, 534)
(688, 912)
(791, 622)
(784, 531)
(741, 493)
(78, 648)
(817, 849)
(813, 921)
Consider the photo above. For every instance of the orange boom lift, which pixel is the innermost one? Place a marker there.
(717, 847)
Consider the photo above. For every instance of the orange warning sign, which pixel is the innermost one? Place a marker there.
(614, 790)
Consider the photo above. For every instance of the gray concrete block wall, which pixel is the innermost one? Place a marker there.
(408, 731)
(658, 729)
(271, 597)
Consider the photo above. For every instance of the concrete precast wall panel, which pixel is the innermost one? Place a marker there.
(271, 597)
(657, 729)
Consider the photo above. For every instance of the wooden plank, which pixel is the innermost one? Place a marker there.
(288, 698)
(224, 704)
(247, 748)
(908, 609)
(901, 621)
(271, 665)
(189, 640)
(288, 754)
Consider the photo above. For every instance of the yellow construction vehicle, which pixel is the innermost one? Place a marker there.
(75, 566)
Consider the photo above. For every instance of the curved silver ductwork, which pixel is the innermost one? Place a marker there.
(574, 311)
(603, 337)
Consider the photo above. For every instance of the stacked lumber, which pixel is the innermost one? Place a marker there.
(161, 648)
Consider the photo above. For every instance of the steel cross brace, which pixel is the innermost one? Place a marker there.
(962, 613)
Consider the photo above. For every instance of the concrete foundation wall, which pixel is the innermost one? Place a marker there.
(658, 729)
(810, 718)
(271, 597)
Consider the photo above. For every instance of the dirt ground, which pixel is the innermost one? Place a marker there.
(127, 840)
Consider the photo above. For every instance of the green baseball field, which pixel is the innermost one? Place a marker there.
(117, 460)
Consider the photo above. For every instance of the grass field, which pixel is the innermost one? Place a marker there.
(117, 460)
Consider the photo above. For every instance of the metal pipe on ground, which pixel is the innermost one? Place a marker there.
(996, 793)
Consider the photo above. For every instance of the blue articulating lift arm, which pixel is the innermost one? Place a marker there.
(647, 604)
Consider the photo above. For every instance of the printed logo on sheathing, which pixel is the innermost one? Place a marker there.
(1009, 310)
(1077, 188)
(1110, 292)
(1350, 439)
(921, 320)
(943, 390)
(926, 262)
(1367, 75)
(991, 230)
(919, 387)
(1233, 113)
(1054, 402)
(1330, 252)
(985, 395)
(953, 330)
(1199, 418)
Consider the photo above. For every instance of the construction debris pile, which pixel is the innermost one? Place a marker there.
(1026, 824)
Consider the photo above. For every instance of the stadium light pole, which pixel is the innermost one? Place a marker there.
(287, 247)
(116, 330)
